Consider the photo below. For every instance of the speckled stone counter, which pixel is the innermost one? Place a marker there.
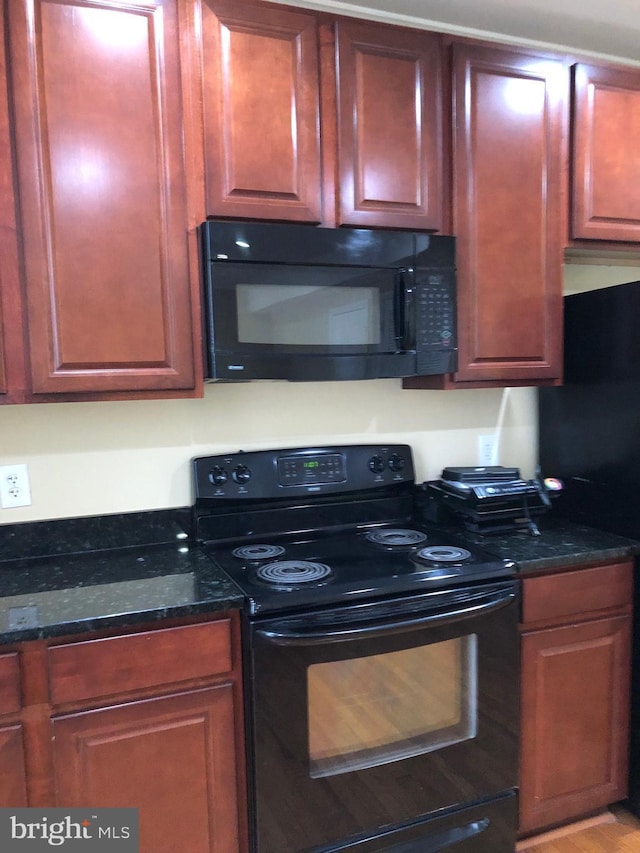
(561, 544)
(82, 575)
(89, 574)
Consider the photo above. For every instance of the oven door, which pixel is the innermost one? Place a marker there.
(370, 716)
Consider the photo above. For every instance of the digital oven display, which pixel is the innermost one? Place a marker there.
(311, 470)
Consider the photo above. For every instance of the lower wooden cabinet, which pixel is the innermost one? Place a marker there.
(13, 786)
(149, 719)
(171, 757)
(576, 664)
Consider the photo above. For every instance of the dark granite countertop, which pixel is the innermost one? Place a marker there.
(89, 574)
(81, 575)
(561, 544)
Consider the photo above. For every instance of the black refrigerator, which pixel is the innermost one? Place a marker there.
(589, 436)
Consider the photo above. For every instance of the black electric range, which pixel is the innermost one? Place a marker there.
(308, 527)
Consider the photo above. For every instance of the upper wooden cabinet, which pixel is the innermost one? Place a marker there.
(508, 149)
(605, 153)
(312, 119)
(390, 149)
(96, 94)
(11, 335)
(261, 112)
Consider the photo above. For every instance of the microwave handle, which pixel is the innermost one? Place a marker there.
(481, 605)
(402, 295)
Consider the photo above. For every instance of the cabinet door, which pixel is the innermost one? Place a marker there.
(390, 155)
(173, 758)
(507, 200)
(97, 99)
(575, 718)
(261, 112)
(606, 153)
(11, 340)
(13, 789)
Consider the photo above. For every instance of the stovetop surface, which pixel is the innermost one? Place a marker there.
(290, 572)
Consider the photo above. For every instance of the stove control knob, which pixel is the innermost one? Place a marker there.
(241, 474)
(218, 476)
(376, 464)
(396, 463)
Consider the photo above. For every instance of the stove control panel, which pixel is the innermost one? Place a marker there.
(272, 474)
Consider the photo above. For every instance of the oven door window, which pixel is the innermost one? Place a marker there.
(372, 710)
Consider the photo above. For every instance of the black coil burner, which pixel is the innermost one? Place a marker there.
(396, 537)
(443, 554)
(258, 552)
(288, 572)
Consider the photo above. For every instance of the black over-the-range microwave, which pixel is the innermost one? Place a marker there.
(307, 303)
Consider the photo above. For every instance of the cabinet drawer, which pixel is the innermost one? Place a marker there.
(577, 593)
(9, 683)
(97, 668)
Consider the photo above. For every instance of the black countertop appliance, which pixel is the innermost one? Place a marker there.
(589, 435)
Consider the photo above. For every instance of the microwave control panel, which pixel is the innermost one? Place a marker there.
(435, 308)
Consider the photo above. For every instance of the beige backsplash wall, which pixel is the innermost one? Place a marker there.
(99, 458)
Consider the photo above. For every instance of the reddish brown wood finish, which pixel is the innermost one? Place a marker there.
(173, 758)
(575, 695)
(261, 112)
(583, 592)
(10, 694)
(98, 119)
(391, 161)
(508, 135)
(169, 737)
(13, 788)
(12, 343)
(107, 667)
(606, 153)
(13, 785)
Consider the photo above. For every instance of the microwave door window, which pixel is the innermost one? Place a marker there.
(302, 315)
(305, 309)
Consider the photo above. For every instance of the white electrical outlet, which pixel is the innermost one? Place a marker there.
(488, 449)
(14, 486)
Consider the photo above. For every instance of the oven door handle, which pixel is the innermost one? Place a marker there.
(478, 605)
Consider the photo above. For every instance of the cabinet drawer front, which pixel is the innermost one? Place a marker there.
(577, 593)
(9, 683)
(97, 668)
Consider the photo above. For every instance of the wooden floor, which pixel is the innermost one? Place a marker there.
(616, 831)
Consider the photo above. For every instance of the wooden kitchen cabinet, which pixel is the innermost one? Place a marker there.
(13, 786)
(508, 137)
(11, 326)
(391, 161)
(13, 790)
(320, 120)
(605, 153)
(171, 757)
(576, 665)
(97, 119)
(261, 102)
(149, 719)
